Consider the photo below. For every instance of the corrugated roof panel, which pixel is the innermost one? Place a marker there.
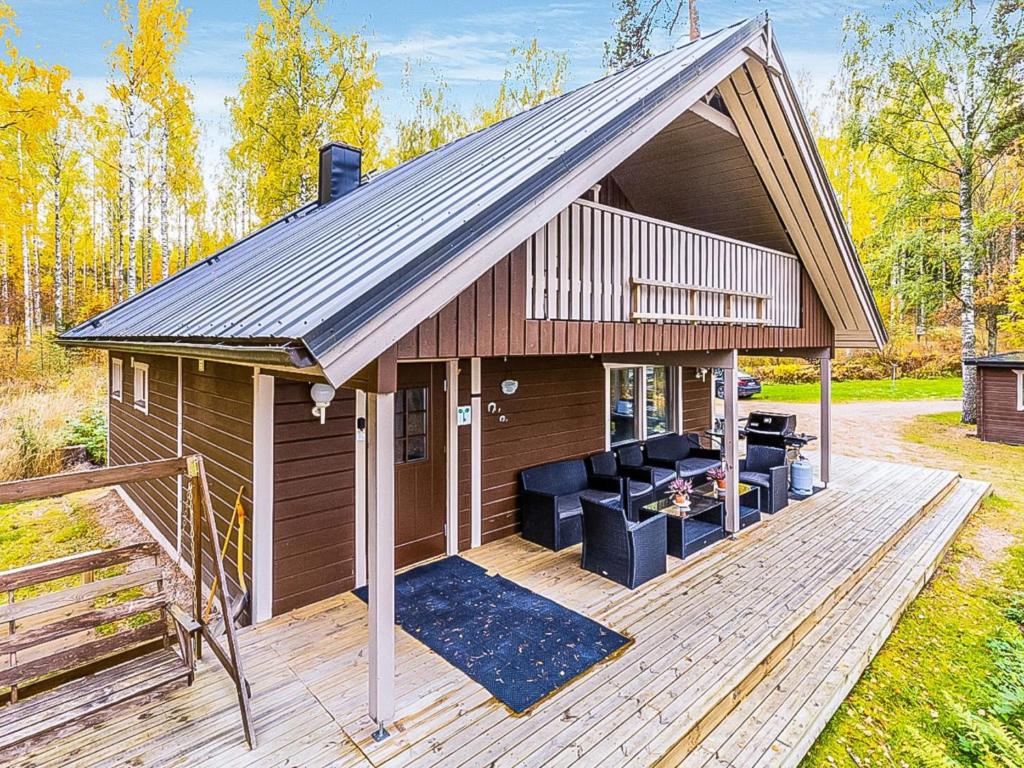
(320, 272)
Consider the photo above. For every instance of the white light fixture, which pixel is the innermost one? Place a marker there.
(322, 395)
(509, 386)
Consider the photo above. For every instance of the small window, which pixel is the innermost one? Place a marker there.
(1020, 389)
(411, 425)
(659, 401)
(140, 391)
(116, 378)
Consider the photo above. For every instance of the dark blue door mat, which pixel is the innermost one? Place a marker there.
(518, 645)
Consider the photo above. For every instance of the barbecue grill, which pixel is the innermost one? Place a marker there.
(776, 429)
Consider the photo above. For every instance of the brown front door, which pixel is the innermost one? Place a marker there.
(420, 477)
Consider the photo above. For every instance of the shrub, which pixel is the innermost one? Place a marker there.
(90, 430)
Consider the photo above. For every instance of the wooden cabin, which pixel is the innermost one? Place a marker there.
(373, 369)
(1001, 397)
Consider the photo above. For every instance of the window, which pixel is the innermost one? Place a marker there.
(658, 396)
(116, 378)
(1020, 389)
(651, 385)
(622, 392)
(140, 390)
(410, 425)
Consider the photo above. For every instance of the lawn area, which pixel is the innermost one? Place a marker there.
(947, 689)
(850, 391)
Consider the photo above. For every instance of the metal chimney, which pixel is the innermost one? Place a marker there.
(340, 170)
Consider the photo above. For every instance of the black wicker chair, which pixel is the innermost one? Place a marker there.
(637, 489)
(625, 552)
(550, 496)
(765, 467)
(678, 452)
(631, 464)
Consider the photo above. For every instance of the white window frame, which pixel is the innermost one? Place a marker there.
(1020, 388)
(117, 377)
(141, 371)
(675, 418)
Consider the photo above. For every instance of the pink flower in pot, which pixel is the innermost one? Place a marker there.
(680, 489)
(717, 474)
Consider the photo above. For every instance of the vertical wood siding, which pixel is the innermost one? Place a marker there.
(136, 436)
(217, 423)
(314, 497)
(489, 318)
(998, 417)
(556, 413)
(696, 401)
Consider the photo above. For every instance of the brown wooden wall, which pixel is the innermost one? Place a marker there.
(556, 413)
(998, 417)
(217, 423)
(696, 401)
(136, 436)
(314, 497)
(489, 318)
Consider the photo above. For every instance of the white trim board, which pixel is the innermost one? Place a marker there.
(263, 497)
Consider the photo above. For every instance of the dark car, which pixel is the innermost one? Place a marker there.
(746, 384)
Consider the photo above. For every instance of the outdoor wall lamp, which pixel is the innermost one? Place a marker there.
(322, 395)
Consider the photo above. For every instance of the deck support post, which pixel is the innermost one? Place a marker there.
(826, 419)
(730, 447)
(380, 530)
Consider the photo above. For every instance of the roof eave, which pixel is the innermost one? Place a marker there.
(291, 355)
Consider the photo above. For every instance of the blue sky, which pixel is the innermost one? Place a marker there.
(464, 40)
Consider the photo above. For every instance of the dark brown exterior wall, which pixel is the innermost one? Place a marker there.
(217, 423)
(489, 318)
(998, 418)
(696, 401)
(556, 413)
(314, 497)
(136, 436)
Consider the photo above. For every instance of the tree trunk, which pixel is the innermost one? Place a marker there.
(5, 288)
(37, 283)
(969, 411)
(694, 19)
(165, 193)
(58, 258)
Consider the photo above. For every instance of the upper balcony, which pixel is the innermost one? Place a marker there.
(596, 263)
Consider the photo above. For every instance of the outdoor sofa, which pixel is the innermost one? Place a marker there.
(680, 454)
(765, 467)
(629, 553)
(551, 497)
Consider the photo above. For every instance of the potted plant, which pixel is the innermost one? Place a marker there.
(717, 476)
(680, 489)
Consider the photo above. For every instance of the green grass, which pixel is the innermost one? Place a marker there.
(947, 689)
(851, 391)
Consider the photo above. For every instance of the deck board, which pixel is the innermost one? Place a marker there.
(706, 635)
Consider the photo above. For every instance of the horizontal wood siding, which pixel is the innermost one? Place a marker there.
(217, 423)
(696, 401)
(314, 497)
(557, 412)
(489, 318)
(998, 418)
(136, 436)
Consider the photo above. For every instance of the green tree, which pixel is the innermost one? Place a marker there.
(304, 84)
(636, 22)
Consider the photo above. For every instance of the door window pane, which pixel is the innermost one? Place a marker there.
(411, 425)
(658, 401)
(622, 387)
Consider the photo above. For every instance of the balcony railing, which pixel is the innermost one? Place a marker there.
(596, 263)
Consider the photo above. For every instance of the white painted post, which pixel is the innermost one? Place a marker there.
(476, 454)
(263, 497)
(380, 505)
(360, 467)
(731, 448)
(452, 449)
(826, 419)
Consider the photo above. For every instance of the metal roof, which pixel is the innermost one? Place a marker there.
(1004, 360)
(317, 274)
(325, 273)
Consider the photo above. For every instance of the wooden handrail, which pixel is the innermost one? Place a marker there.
(694, 287)
(37, 573)
(89, 479)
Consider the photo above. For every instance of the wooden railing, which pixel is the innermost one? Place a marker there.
(596, 263)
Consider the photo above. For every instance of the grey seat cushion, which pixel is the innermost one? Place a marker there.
(760, 479)
(662, 476)
(569, 504)
(696, 466)
(637, 488)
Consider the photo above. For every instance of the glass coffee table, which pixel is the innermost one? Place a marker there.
(690, 530)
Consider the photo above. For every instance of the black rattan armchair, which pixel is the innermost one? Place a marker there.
(631, 464)
(679, 452)
(637, 487)
(765, 467)
(625, 552)
(550, 497)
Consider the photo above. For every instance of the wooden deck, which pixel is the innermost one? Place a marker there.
(706, 635)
